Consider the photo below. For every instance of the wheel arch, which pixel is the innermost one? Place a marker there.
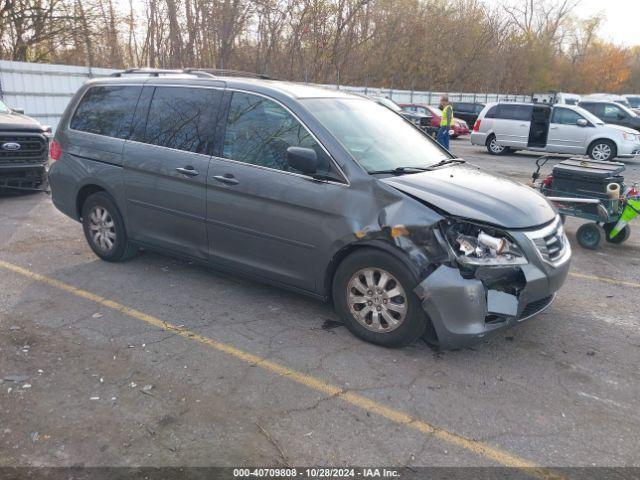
(347, 250)
(85, 192)
(601, 139)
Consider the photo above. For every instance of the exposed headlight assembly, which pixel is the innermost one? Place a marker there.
(474, 245)
(633, 137)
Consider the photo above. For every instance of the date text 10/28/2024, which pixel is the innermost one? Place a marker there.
(314, 473)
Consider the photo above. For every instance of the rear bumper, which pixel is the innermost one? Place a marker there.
(466, 310)
(478, 138)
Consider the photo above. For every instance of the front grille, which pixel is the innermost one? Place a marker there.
(33, 149)
(551, 242)
(535, 307)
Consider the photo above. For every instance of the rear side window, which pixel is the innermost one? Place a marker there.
(259, 131)
(493, 112)
(183, 118)
(514, 112)
(463, 107)
(106, 110)
(592, 107)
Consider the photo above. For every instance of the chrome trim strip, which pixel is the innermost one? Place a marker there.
(545, 232)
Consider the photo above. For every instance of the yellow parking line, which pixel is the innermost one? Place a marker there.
(612, 281)
(480, 448)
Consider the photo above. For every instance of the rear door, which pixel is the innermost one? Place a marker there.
(565, 135)
(511, 125)
(263, 218)
(166, 165)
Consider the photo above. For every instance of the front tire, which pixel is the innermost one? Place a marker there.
(104, 229)
(590, 236)
(602, 150)
(373, 295)
(494, 149)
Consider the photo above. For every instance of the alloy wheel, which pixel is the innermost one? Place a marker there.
(102, 228)
(493, 145)
(377, 300)
(601, 151)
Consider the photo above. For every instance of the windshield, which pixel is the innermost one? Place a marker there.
(634, 102)
(4, 108)
(376, 138)
(389, 103)
(625, 107)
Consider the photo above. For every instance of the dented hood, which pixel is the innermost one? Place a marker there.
(468, 192)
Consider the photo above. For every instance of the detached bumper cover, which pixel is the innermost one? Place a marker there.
(466, 310)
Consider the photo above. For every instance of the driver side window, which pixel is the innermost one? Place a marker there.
(613, 112)
(564, 116)
(259, 131)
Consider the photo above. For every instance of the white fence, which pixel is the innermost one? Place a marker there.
(43, 90)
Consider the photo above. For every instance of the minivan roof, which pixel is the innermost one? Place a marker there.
(278, 87)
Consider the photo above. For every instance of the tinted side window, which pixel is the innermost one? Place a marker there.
(106, 110)
(259, 132)
(613, 112)
(493, 112)
(183, 118)
(515, 112)
(591, 107)
(564, 116)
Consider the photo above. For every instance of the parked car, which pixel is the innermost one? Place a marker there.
(419, 119)
(634, 101)
(323, 192)
(612, 112)
(505, 127)
(606, 97)
(467, 111)
(460, 127)
(24, 150)
(556, 97)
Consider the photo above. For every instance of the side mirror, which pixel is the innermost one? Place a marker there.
(304, 160)
(18, 110)
(581, 122)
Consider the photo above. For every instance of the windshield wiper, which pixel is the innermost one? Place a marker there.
(446, 161)
(400, 170)
(403, 170)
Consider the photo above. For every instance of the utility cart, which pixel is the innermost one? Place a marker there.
(594, 191)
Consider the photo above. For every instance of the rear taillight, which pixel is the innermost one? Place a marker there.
(476, 126)
(55, 150)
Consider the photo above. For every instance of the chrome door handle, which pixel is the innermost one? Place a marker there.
(189, 171)
(227, 178)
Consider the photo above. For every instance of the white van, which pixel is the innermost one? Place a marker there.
(557, 97)
(505, 127)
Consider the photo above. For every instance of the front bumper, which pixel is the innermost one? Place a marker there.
(464, 310)
(627, 149)
(23, 176)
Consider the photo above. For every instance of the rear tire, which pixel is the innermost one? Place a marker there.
(590, 236)
(373, 295)
(602, 150)
(493, 148)
(104, 229)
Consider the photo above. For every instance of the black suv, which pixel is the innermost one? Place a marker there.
(467, 111)
(612, 112)
(316, 190)
(24, 147)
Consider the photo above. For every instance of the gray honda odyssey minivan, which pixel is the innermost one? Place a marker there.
(315, 190)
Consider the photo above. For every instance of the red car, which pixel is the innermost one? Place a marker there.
(460, 127)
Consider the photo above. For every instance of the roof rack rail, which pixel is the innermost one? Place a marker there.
(156, 72)
(228, 73)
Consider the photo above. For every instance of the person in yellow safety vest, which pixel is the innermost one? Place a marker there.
(446, 122)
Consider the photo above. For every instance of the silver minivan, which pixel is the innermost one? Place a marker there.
(506, 127)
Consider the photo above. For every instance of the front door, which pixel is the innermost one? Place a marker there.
(565, 135)
(166, 166)
(263, 218)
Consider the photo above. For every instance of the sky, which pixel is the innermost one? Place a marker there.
(621, 18)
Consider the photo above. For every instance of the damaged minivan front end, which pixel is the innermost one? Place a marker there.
(479, 278)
